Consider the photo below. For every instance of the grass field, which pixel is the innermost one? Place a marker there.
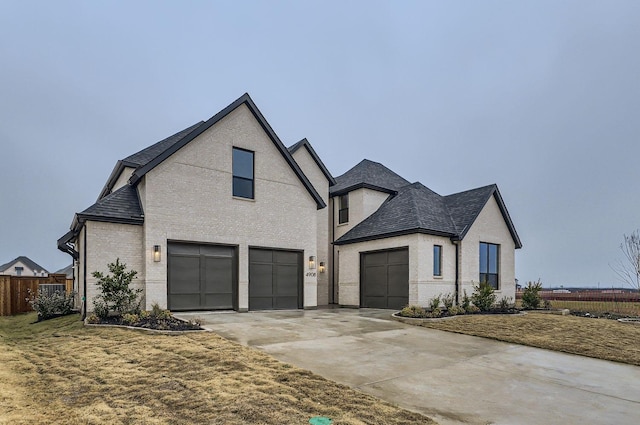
(59, 372)
(599, 338)
(625, 308)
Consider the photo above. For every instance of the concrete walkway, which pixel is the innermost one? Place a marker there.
(455, 379)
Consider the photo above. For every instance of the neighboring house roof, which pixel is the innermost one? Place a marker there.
(66, 270)
(418, 209)
(26, 261)
(304, 142)
(370, 175)
(121, 206)
(246, 100)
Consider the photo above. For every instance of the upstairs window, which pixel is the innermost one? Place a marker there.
(19, 270)
(243, 182)
(343, 211)
(489, 264)
(437, 260)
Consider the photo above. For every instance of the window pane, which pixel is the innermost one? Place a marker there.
(242, 187)
(437, 257)
(483, 257)
(242, 164)
(493, 258)
(343, 216)
(344, 201)
(492, 279)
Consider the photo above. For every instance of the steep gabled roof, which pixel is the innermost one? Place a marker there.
(415, 209)
(418, 209)
(305, 143)
(26, 261)
(245, 99)
(466, 206)
(370, 175)
(121, 206)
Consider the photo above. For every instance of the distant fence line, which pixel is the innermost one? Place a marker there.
(14, 291)
(619, 302)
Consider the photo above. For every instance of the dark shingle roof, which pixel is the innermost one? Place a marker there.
(26, 261)
(121, 206)
(418, 209)
(146, 155)
(66, 270)
(369, 174)
(415, 209)
(465, 206)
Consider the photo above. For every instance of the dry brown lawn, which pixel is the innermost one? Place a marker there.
(61, 372)
(599, 338)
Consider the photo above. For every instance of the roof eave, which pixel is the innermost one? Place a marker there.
(362, 186)
(394, 234)
(304, 142)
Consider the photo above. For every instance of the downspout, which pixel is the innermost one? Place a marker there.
(333, 252)
(457, 290)
(84, 280)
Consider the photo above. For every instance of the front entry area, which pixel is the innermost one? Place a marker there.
(384, 279)
(201, 277)
(275, 279)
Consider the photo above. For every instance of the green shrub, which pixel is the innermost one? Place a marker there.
(448, 301)
(144, 314)
(100, 309)
(129, 319)
(466, 301)
(483, 296)
(505, 304)
(116, 291)
(531, 295)
(159, 313)
(436, 312)
(93, 319)
(456, 310)
(434, 302)
(413, 311)
(472, 309)
(49, 305)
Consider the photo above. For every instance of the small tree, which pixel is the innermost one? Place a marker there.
(531, 295)
(116, 292)
(483, 296)
(628, 269)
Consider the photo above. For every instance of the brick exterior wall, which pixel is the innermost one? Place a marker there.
(321, 184)
(188, 197)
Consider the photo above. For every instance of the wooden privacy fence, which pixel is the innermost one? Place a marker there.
(14, 291)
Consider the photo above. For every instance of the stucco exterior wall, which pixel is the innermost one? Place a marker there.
(188, 197)
(489, 227)
(321, 184)
(123, 178)
(105, 243)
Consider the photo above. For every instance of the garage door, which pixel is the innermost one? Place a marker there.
(385, 279)
(201, 277)
(275, 279)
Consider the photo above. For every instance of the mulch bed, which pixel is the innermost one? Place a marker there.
(170, 324)
(598, 315)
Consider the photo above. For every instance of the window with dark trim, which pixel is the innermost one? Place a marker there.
(489, 263)
(437, 260)
(18, 270)
(343, 211)
(243, 183)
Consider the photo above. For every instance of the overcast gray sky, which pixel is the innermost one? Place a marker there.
(540, 97)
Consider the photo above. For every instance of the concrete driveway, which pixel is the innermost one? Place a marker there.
(452, 378)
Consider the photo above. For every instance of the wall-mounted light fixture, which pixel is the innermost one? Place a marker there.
(156, 253)
(321, 268)
(312, 262)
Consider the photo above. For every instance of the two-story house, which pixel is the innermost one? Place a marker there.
(221, 215)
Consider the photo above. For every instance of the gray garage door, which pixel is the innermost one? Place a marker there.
(385, 279)
(201, 277)
(275, 279)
